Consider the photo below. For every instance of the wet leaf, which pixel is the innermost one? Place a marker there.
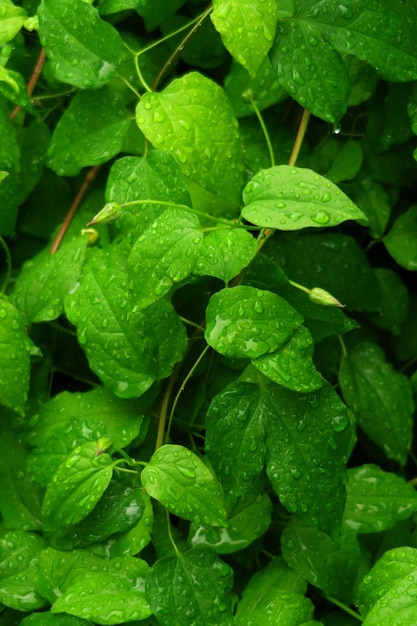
(380, 397)
(12, 20)
(290, 198)
(224, 253)
(245, 322)
(400, 241)
(178, 479)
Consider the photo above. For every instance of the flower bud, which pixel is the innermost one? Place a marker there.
(92, 235)
(109, 213)
(320, 296)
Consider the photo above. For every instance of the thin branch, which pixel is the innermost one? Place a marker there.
(32, 80)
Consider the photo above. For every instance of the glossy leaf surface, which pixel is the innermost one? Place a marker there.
(14, 356)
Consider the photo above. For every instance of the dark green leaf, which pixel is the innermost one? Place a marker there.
(376, 500)
(400, 241)
(380, 398)
(247, 29)
(373, 200)
(275, 595)
(290, 198)
(347, 163)
(193, 119)
(191, 588)
(49, 619)
(245, 322)
(90, 132)
(77, 486)
(14, 357)
(82, 49)
(225, 253)
(180, 480)
(394, 301)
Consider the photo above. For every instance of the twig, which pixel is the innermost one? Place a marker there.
(32, 80)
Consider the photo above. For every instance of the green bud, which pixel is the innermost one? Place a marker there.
(109, 213)
(92, 235)
(320, 296)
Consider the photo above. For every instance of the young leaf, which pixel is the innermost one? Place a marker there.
(247, 29)
(164, 255)
(77, 486)
(380, 398)
(178, 479)
(90, 132)
(376, 500)
(12, 20)
(400, 241)
(225, 253)
(193, 119)
(191, 588)
(14, 357)
(82, 49)
(388, 591)
(46, 279)
(245, 322)
(291, 365)
(290, 198)
(19, 552)
(274, 595)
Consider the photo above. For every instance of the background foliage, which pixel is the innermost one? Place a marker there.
(207, 394)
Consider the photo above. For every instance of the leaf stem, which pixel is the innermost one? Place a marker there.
(184, 207)
(164, 406)
(301, 287)
(344, 607)
(32, 80)
(342, 343)
(139, 73)
(264, 130)
(171, 538)
(9, 265)
(92, 173)
(300, 137)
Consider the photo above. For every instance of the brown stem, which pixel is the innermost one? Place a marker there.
(300, 137)
(32, 80)
(73, 208)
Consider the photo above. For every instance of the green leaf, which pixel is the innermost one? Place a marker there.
(128, 350)
(290, 198)
(245, 322)
(90, 132)
(225, 253)
(394, 301)
(154, 12)
(310, 70)
(67, 414)
(77, 486)
(12, 19)
(274, 595)
(164, 255)
(193, 119)
(376, 500)
(291, 365)
(387, 593)
(82, 49)
(380, 397)
(14, 357)
(247, 29)
(347, 163)
(19, 553)
(180, 480)
(13, 86)
(154, 177)
(248, 520)
(264, 88)
(373, 200)
(46, 279)
(191, 588)
(49, 619)
(105, 591)
(400, 241)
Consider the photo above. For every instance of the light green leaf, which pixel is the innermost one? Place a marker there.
(12, 19)
(291, 365)
(310, 70)
(180, 480)
(191, 588)
(13, 86)
(90, 132)
(164, 255)
(290, 198)
(225, 253)
(14, 358)
(154, 177)
(82, 49)
(387, 594)
(192, 118)
(247, 29)
(245, 322)
(19, 553)
(273, 596)
(376, 500)
(380, 397)
(401, 242)
(77, 486)
(128, 350)
(46, 279)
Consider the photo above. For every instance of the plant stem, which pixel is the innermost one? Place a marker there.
(344, 607)
(301, 287)
(342, 343)
(9, 265)
(265, 131)
(164, 406)
(184, 207)
(300, 137)
(32, 80)
(92, 173)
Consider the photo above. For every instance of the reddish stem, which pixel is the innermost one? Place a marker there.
(32, 80)
(73, 208)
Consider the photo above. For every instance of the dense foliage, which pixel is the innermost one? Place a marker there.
(208, 312)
